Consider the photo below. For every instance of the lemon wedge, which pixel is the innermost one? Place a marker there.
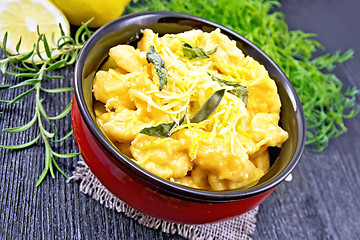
(23, 18)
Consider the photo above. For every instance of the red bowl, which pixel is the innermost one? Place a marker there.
(144, 191)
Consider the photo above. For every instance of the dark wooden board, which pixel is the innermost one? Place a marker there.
(321, 202)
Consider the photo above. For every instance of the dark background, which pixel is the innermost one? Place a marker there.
(321, 202)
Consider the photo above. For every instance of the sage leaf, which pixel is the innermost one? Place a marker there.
(159, 64)
(196, 52)
(163, 130)
(208, 107)
(239, 90)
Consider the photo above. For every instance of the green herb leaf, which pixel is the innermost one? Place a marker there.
(208, 107)
(26, 75)
(26, 83)
(46, 47)
(196, 52)
(56, 65)
(4, 86)
(22, 95)
(68, 155)
(18, 68)
(52, 76)
(82, 33)
(26, 56)
(17, 48)
(63, 113)
(23, 127)
(239, 90)
(27, 66)
(11, 73)
(159, 64)
(61, 30)
(58, 168)
(44, 173)
(4, 43)
(163, 130)
(3, 67)
(49, 134)
(37, 48)
(62, 139)
(21, 146)
(58, 90)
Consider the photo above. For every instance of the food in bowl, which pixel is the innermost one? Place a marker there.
(190, 108)
(138, 187)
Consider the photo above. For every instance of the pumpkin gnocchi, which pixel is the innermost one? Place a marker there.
(226, 149)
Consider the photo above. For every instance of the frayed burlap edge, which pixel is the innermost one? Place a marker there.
(241, 227)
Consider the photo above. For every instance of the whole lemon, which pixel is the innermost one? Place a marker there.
(80, 11)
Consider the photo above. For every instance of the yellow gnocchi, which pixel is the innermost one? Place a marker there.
(226, 149)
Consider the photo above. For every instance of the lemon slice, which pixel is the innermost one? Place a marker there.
(21, 18)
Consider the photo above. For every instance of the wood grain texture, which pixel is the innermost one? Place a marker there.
(321, 202)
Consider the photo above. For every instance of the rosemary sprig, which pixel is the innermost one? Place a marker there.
(62, 52)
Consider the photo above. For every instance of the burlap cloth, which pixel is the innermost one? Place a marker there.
(241, 227)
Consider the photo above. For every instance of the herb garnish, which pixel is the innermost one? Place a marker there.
(239, 90)
(165, 130)
(208, 107)
(196, 52)
(159, 64)
(325, 103)
(34, 74)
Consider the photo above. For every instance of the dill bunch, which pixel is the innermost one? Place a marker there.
(325, 103)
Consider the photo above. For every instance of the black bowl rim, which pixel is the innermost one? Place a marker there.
(162, 184)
